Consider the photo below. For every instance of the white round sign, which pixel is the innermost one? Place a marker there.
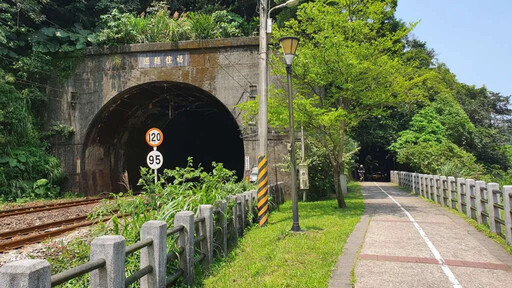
(154, 159)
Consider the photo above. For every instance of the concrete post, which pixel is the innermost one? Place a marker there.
(420, 180)
(430, 182)
(451, 191)
(437, 189)
(250, 211)
(478, 201)
(28, 273)
(235, 219)
(507, 190)
(186, 240)
(241, 200)
(414, 185)
(207, 212)
(469, 203)
(442, 190)
(493, 211)
(460, 186)
(224, 226)
(112, 249)
(155, 254)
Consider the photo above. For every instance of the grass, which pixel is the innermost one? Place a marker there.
(275, 257)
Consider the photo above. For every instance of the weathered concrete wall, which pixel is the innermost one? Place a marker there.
(223, 67)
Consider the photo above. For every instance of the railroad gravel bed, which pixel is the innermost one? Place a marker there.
(12, 205)
(45, 249)
(31, 219)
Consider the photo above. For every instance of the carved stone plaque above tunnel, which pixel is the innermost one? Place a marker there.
(164, 59)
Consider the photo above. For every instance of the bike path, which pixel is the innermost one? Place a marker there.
(410, 242)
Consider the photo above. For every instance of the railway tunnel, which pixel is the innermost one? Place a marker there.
(194, 123)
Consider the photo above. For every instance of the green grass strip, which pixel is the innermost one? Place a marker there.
(275, 257)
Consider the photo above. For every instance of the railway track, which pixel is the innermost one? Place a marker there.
(20, 237)
(17, 238)
(46, 207)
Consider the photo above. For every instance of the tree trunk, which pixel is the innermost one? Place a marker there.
(337, 187)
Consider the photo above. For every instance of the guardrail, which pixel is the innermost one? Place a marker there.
(484, 202)
(198, 237)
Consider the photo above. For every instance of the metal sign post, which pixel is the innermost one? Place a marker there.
(155, 159)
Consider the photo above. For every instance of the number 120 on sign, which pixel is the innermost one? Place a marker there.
(154, 137)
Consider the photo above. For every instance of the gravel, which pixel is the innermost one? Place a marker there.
(31, 219)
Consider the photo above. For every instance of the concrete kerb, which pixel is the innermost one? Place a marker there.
(28, 273)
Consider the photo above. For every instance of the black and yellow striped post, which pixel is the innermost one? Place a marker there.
(262, 191)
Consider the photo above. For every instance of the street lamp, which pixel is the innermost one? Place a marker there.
(263, 111)
(289, 46)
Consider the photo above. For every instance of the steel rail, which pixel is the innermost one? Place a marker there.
(29, 239)
(31, 229)
(45, 205)
(29, 210)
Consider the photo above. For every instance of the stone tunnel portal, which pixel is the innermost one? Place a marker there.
(194, 122)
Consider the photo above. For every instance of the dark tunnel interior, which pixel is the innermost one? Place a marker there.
(194, 123)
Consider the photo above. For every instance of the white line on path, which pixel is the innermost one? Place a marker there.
(433, 249)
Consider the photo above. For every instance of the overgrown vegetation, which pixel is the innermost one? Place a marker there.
(276, 257)
(40, 42)
(177, 190)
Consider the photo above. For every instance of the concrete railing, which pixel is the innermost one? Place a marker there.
(197, 238)
(484, 202)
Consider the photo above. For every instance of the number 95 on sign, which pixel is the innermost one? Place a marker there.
(154, 159)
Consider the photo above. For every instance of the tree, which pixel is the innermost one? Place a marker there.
(347, 69)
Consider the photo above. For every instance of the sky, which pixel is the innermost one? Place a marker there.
(473, 37)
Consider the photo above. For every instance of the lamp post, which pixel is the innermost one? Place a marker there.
(289, 46)
(263, 111)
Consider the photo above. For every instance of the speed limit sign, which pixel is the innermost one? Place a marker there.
(154, 159)
(154, 137)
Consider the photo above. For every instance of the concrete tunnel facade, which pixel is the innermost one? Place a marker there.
(188, 89)
(194, 123)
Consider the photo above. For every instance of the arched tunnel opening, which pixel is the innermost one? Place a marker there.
(194, 123)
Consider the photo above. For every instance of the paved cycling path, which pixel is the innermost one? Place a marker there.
(410, 242)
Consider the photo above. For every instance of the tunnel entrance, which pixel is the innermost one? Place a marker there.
(194, 122)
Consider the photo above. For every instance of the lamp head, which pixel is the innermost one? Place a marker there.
(291, 3)
(289, 46)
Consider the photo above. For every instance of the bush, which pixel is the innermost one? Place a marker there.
(432, 157)
(158, 26)
(177, 190)
(24, 160)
